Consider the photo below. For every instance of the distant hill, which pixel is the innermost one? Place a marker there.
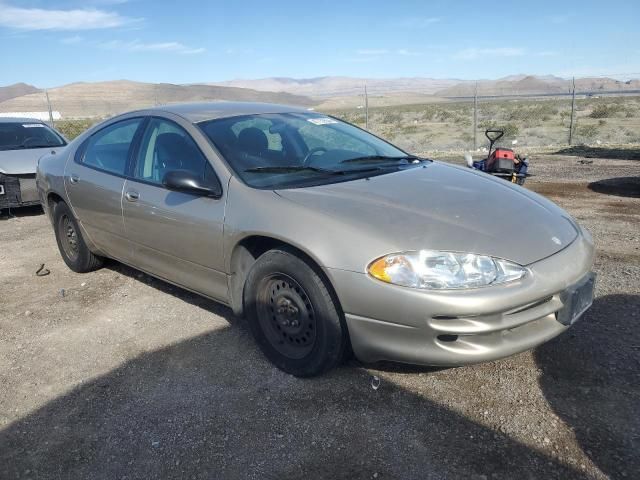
(530, 85)
(16, 90)
(343, 86)
(108, 98)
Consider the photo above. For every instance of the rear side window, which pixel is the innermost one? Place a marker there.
(109, 148)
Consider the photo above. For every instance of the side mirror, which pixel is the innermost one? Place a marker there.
(188, 182)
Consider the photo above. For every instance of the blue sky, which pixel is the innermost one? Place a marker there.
(53, 42)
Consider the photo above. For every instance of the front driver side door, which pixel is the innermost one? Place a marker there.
(176, 236)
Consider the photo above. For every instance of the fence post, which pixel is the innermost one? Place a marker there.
(573, 108)
(366, 108)
(46, 93)
(475, 118)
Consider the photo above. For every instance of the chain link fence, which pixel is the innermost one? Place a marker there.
(541, 122)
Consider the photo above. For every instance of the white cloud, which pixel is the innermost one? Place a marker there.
(378, 52)
(546, 53)
(408, 53)
(374, 51)
(624, 71)
(48, 19)
(137, 46)
(71, 40)
(475, 53)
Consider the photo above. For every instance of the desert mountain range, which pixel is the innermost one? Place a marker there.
(107, 98)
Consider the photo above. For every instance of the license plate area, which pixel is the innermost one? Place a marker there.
(576, 300)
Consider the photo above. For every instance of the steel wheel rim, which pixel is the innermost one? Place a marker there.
(286, 316)
(69, 238)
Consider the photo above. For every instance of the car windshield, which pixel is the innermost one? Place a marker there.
(25, 135)
(289, 150)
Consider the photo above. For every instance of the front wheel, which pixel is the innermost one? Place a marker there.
(293, 316)
(73, 249)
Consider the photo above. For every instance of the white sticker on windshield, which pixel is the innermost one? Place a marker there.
(32, 125)
(321, 120)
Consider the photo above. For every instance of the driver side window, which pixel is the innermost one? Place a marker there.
(165, 147)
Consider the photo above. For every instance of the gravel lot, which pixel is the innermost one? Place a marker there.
(114, 374)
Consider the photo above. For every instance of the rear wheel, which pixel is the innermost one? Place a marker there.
(73, 249)
(293, 316)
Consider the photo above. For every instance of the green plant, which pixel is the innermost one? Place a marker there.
(72, 128)
(510, 130)
(604, 110)
(587, 131)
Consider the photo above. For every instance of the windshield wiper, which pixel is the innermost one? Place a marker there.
(300, 168)
(382, 158)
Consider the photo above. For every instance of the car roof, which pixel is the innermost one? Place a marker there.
(20, 120)
(200, 112)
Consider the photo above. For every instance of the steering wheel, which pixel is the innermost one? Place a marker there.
(311, 153)
(30, 141)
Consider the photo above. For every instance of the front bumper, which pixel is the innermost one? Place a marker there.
(18, 191)
(452, 328)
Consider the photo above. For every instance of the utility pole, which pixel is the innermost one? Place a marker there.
(46, 93)
(366, 108)
(573, 109)
(475, 118)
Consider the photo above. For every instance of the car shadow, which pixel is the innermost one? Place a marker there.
(590, 378)
(30, 211)
(169, 289)
(212, 407)
(198, 409)
(618, 153)
(621, 186)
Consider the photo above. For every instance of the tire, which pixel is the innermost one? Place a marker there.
(72, 246)
(293, 316)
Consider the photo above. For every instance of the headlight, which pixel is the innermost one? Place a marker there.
(434, 270)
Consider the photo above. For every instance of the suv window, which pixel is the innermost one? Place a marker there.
(165, 147)
(108, 149)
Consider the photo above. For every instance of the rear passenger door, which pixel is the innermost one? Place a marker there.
(175, 235)
(94, 180)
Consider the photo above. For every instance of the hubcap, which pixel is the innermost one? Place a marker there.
(69, 238)
(286, 316)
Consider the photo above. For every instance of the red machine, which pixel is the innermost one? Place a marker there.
(501, 162)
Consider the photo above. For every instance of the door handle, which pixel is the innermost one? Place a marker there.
(132, 196)
(74, 178)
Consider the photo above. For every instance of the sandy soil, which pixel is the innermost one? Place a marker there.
(114, 374)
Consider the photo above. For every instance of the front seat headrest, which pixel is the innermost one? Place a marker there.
(253, 140)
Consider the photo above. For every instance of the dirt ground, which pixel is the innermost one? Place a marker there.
(114, 374)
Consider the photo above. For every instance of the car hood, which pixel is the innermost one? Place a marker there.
(443, 207)
(25, 161)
